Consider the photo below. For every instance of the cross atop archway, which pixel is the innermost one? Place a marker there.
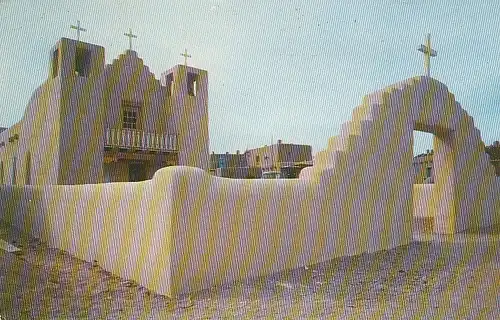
(130, 35)
(78, 29)
(186, 56)
(428, 53)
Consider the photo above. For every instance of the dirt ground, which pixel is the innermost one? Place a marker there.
(435, 277)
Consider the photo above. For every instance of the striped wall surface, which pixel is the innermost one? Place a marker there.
(186, 230)
(123, 227)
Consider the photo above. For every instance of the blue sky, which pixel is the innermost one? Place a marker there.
(290, 70)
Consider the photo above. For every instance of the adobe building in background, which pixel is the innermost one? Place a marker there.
(422, 166)
(286, 158)
(92, 123)
(494, 152)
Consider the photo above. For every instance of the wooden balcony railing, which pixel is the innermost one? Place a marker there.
(140, 140)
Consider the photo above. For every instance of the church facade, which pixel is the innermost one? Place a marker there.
(93, 123)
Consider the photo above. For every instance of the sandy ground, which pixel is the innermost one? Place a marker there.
(435, 277)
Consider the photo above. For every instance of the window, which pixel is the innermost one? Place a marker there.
(82, 62)
(55, 63)
(130, 115)
(129, 119)
(192, 83)
(428, 172)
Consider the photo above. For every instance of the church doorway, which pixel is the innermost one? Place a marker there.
(136, 172)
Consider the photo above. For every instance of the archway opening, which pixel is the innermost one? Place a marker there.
(434, 198)
(423, 151)
(423, 178)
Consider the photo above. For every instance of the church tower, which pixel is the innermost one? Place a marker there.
(187, 91)
(78, 68)
(71, 58)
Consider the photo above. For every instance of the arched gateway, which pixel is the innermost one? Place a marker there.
(371, 160)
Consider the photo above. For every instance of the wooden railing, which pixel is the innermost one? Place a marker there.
(137, 139)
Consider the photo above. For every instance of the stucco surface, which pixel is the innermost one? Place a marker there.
(123, 227)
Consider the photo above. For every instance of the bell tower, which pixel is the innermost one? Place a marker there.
(187, 94)
(70, 58)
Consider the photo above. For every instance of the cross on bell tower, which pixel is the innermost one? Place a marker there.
(78, 29)
(428, 53)
(186, 56)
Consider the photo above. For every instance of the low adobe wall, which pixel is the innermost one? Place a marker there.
(186, 230)
(424, 204)
(225, 229)
(124, 226)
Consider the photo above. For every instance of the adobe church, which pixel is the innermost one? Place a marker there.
(93, 123)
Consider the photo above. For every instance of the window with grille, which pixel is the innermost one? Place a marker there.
(129, 119)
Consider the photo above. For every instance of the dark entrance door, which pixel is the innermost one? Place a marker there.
(136, 172)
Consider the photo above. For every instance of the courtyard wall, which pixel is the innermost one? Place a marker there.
(123, 227)
(186, 230)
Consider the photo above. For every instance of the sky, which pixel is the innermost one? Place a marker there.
(289, 70)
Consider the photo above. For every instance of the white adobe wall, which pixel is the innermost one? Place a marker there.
(216, 230)
(124, 226)
(423, 201)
